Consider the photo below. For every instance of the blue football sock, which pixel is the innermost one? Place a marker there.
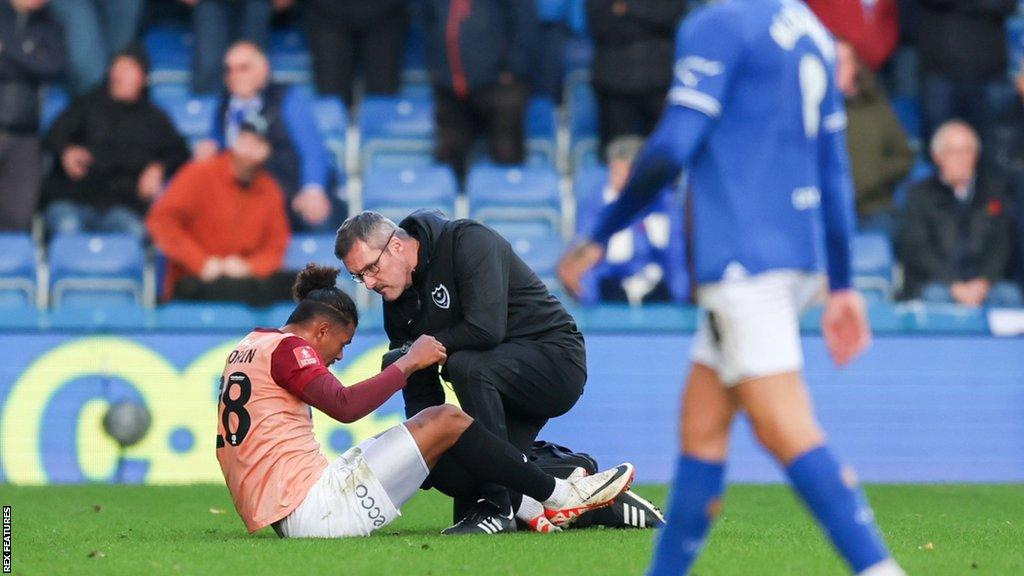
(840, 507)
(691, 508)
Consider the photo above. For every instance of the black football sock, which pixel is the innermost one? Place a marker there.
(493, 460)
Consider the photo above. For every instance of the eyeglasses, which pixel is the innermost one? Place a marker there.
(373, 268)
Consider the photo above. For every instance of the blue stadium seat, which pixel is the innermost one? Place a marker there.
(192, 115)
(99, 318)
(395, 192)
(416, 90)
(289, 56)
(649, 318)
(306, 248)
(22, 318)
(578, 52)
(587, 188)
(396, 118)
(541, 131)
(944, 318)
(541, 253)
(275, 316)
(96, 268)
(415, 59)
(389, 124)
(583, 125)
(18, 271)
(205, 316)
(319, 249)
(55, 100)
(873, 263)
(170, 52)
(331, 118)
(521, 228)
(498, 193)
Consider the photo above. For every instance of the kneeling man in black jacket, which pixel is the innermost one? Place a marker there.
(515, 355)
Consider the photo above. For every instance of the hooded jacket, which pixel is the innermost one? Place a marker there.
(472, 292)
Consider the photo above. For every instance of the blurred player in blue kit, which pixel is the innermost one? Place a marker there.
(755, 115)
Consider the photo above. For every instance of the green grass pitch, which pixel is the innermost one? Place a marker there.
(101, 529)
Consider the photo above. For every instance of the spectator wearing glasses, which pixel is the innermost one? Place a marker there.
(298, 158)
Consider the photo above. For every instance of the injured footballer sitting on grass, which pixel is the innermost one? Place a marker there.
(273, 465)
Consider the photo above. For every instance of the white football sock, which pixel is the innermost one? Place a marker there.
(529, 509)
(558, 496)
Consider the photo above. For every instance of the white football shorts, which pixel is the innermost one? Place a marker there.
(750, 327)
(362, 490)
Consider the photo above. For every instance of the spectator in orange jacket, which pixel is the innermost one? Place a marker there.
(223, 225)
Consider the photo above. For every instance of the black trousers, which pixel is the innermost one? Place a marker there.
(498, 111)
(627, 114)
(337, 49)
(512, 390)
(252, 291)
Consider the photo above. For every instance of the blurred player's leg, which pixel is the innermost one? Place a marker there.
(781, 413)
(694, 501)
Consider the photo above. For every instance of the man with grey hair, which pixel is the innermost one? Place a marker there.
(956, 240)
(515, 356)
(644, 262)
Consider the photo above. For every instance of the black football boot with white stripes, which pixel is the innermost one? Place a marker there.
(483, 518)
(627, 511)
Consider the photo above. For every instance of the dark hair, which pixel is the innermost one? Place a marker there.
(373, 228)
(317, 294)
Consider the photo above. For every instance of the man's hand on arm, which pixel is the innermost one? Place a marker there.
(426, 351)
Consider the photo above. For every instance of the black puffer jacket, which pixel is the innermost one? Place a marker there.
(633, 52)
(123, 139)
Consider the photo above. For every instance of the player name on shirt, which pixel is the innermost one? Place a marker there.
(242, 356)
(794, 22)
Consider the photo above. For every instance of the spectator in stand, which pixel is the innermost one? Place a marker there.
(115, 150)
(223, 226)
(642, 263)
(1006, 153)
(480, 56)
(880, 153)
(31, 52)
(956, 235)
(94, 31)
(963, 57)
(216, 24)
(342, 30)
(634, 45)
(298, 160)
(870, 26)
(556, 20)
